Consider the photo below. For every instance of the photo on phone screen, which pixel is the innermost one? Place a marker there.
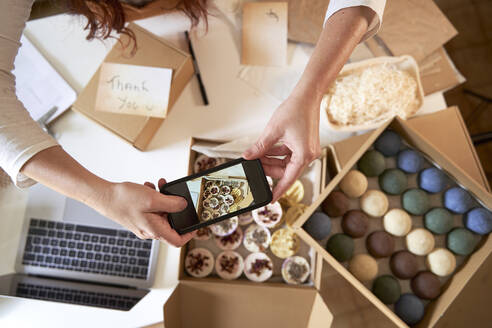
(220, 193)
(216, 194)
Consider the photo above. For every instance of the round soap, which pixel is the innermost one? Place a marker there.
(340, 246)
(318, 225)
(420, 241)
(336, 204)
(397, 222)
(410, 309)
(462, 241)
(387, 289)
(416, 201)
(355, 223)
(432, 180)
(458, 200)
(371, 163)
(374, 203)
(388, 143)
(438, 220)
(295, 192)
(479, 220)
(426, 285)
(404, 265)
(364, 267)
(393, 181)
(285, 243)
(441, 262)
(380, 244)
(410, 161)
(354, 184)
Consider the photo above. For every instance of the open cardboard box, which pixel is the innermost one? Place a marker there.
(412, 135)
(348, 306)
(216, 303)
(151, 51)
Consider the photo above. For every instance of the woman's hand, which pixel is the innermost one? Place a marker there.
(143, 210)
(295, 124)
(292, 132)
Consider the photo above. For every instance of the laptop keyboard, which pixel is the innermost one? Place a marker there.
(74, 247)
(75, 296)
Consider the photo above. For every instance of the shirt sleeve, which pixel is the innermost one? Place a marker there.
(20, 136)
(376, 5)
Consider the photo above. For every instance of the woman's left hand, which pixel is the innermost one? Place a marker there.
(292, 132)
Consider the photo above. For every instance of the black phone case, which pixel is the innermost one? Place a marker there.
(227, 216)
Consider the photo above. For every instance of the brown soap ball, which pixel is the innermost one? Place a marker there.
(380, 244)
(426, 285)
(364, 267)
(336, 204)
(404, 265)
(355, 223)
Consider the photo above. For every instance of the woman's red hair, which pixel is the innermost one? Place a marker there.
(107, 16)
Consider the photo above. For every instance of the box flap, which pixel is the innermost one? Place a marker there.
(228, 304)
(453, 139)
(172, 307)
(321, 317)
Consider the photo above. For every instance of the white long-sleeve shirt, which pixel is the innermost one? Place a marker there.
(21, 137)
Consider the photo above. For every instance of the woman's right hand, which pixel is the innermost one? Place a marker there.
(143, 210)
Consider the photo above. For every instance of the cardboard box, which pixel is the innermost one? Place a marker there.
(224, 305)
(457, 282)
(216, 303)
(151, 51)
(348, 306)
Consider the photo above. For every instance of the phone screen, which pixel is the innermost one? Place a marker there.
(220, 193)
(226, 191)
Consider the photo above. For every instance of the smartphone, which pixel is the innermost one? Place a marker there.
(217, 194)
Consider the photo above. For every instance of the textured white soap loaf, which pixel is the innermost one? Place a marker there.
(367, 93)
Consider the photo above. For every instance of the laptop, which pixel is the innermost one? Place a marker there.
(79, 257)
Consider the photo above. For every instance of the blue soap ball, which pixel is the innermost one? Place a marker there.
(432, 180)
(458, 200)
(479, 220)
(388, 143)
(410, 161)
(410, 309)
(318, 225)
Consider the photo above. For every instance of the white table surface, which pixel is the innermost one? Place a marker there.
(235, 110)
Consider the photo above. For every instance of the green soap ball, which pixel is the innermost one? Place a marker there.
(387, 289)
(372, 163)
(393, 181)
(438, 220)
(416, 201)
(341, 247)
(462, 241)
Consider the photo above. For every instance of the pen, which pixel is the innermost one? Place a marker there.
(197, 70)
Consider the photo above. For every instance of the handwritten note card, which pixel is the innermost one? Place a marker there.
(131, 89)
(264, 34)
